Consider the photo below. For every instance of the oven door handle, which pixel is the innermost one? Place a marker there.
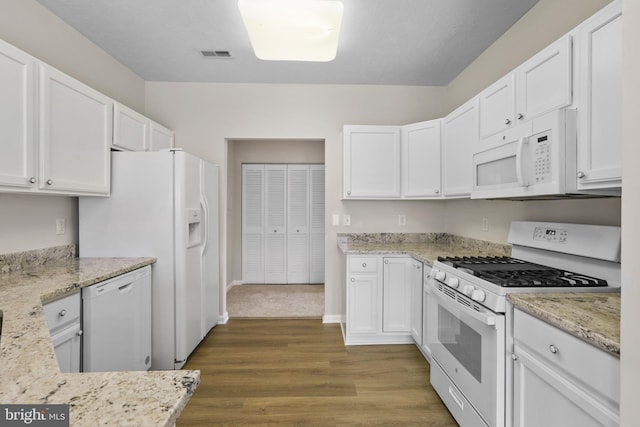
(484, 318)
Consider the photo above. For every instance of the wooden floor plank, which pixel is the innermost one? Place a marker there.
(298, 372)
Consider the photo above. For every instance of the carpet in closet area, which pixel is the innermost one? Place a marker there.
(277, 301)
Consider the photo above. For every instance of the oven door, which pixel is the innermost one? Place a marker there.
(467, 341)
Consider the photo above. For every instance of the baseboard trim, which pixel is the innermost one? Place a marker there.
(222, 320)
(234, 283)
(332, 318)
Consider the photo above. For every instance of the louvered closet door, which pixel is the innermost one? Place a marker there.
(276, 224)
(316, 257)
(298, 224)
(253, 244)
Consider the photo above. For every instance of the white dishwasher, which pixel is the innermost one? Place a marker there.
(116, 319)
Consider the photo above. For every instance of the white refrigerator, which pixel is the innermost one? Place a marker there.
(164, 205)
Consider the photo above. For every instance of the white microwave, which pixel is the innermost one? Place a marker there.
(529, 160)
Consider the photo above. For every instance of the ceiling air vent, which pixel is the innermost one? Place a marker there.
(216, 53)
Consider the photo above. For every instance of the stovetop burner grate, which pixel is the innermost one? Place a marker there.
(513, 272)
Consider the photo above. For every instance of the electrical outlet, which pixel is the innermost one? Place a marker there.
(335, 219)
(346, 220)
(61, 226)
(402, 220)
(485, 224)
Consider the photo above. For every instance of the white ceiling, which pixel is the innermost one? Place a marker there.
(394, 42)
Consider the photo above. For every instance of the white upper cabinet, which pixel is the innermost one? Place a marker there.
(459, 136)
(160, 137)
(75, 129)
(130, 129)
(17, 79)
(541, 84)
(497, 106)
(599, 101)
(420, 166)
(371, 163)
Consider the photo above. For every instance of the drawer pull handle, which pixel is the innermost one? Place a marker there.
(553, 349)
(364, 265)
(62, 313)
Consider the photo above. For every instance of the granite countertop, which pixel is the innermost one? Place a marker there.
(28, 366)
(593, 317)
(423, 247)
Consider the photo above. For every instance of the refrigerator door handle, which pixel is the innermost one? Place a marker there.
(205, 211)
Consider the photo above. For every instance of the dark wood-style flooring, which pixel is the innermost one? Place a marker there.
(298, 372)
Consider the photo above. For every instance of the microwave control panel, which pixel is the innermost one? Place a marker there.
(541, 157)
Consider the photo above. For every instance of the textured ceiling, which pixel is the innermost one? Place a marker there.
(382, 42)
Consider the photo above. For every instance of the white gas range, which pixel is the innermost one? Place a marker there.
(468, 314)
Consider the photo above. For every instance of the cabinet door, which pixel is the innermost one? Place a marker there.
(18, 161)
(160, 137)
(396, 295)
(75, 135)
(275, 236)
(67, 346)
(600, 101)
(371, 162)
(544, 81)
(497, 106)
(460, 136)
(420, 147)
(362, 304)
(416, 301)
(130, 129)
(316, 230)
(298, 224)
(542, 397)
(253, 227)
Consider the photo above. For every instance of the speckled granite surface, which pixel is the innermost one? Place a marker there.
(28, 368)
(593, 317)
(425, 247)
(18, 260)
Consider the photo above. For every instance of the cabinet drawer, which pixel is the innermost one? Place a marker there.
(363, 264)
(62, 312)
(595, 369)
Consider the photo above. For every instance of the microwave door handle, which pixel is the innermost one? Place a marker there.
(522, 182)
(484, 318)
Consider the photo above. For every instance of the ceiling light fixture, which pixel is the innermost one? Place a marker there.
(293, 30)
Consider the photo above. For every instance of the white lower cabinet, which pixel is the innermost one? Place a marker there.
(417, 307)
(560, 380)
(378, 300)
(63, 319)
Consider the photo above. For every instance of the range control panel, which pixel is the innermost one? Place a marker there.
(551, 235)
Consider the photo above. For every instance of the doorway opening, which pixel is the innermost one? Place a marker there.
(288, 300)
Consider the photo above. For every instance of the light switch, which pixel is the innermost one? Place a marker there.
(346, 220)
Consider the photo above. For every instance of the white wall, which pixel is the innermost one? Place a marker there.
(204, 116)
(630, 354)
(28, 222)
